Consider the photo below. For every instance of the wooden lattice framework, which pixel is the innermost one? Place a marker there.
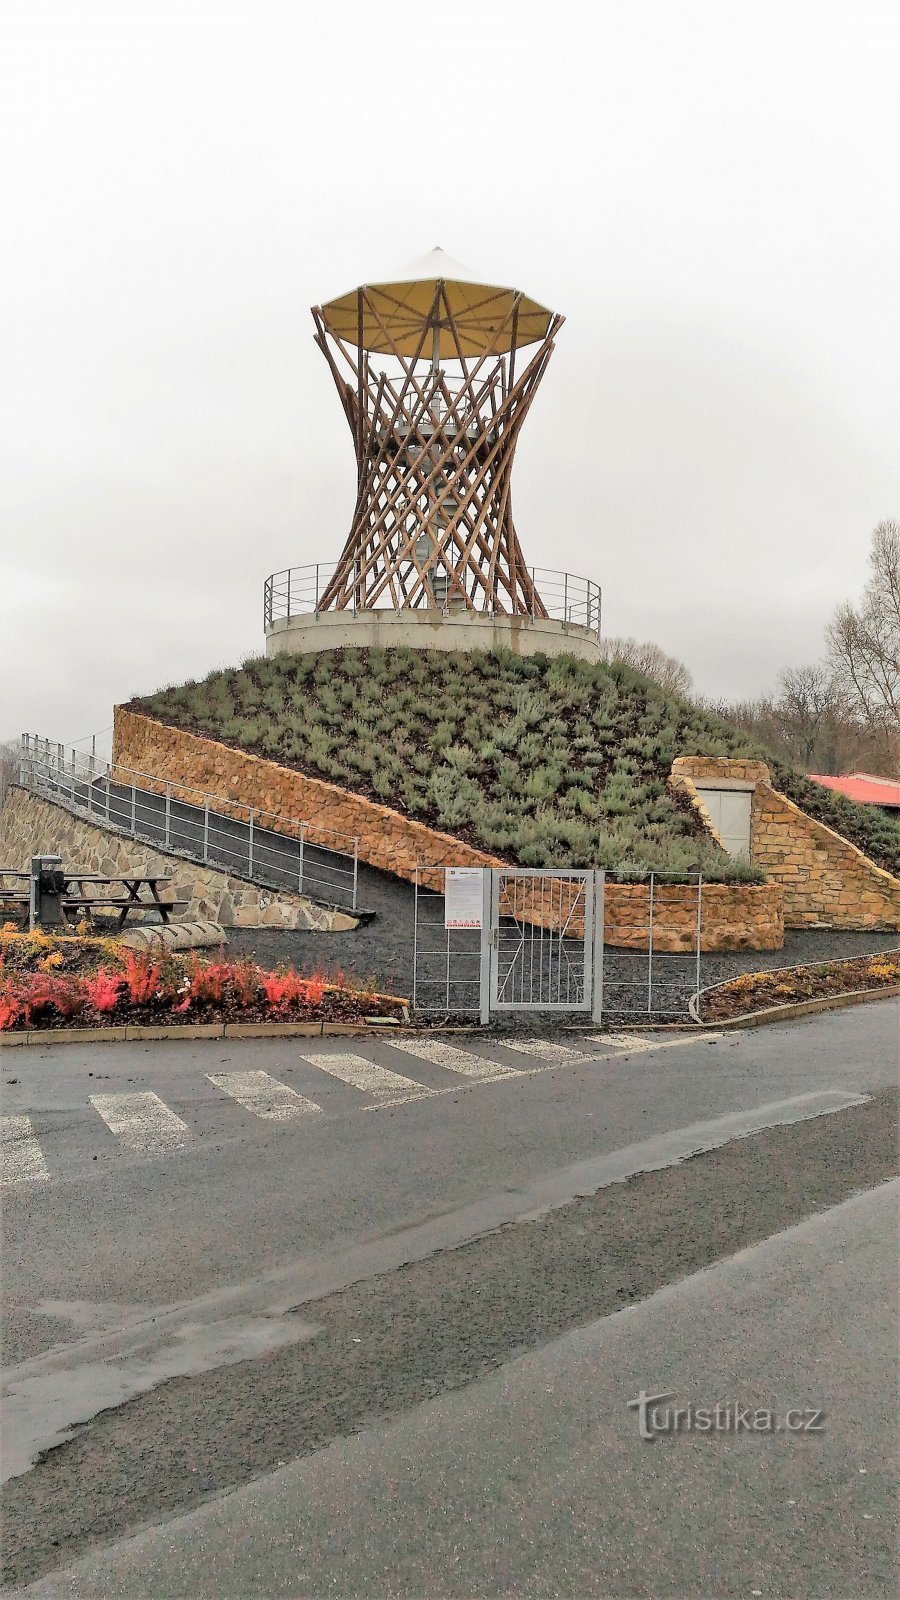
(433, 524)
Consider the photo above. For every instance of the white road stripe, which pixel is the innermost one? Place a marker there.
(21, 1157)
(264, 1095)
(365, 1075)
(454, 1059)
(544, 1049)
(635, 1043)
(142, 1121)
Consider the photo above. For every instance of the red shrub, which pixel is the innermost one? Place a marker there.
(104, 990)
(209, 981)
(11, 1010)
(25, 996)
(315, 989)
(218, 983)
(282, 988)
(290, 989)
(142, 977)
(245, 983)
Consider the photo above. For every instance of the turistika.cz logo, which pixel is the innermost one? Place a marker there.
(656, 1417)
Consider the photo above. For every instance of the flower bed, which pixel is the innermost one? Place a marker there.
(761, 991)
(48, 983)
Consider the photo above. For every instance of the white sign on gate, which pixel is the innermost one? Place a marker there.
(463, 897)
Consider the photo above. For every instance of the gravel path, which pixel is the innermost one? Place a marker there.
(382, 950)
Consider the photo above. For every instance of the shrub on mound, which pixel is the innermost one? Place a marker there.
(542, 762)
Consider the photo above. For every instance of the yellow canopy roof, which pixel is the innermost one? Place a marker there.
(401, 310)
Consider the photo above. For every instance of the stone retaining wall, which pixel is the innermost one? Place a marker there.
(827, 881)
(31, 826)
(733, 916)
(736, 916)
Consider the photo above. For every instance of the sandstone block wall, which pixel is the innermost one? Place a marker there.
(32, 826)
(827, 881)
(387, 839)
(735, 916)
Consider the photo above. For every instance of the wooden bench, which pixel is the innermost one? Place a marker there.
(125, 903)
(15, 901)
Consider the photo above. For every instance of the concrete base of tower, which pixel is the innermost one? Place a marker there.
(431, 630)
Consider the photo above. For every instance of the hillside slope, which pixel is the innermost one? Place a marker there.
(542, 762)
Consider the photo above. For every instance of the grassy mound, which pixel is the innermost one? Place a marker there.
(542, 762)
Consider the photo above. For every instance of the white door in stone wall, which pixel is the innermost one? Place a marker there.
(730, 813)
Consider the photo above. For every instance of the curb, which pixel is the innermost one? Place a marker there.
(133, 1033)
(799, 1008)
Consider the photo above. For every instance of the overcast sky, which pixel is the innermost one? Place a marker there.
(707, 191)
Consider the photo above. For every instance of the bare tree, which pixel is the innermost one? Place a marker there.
(864, 644)
(813, 710)
(809, 725)
(666, 671)
(9, 766)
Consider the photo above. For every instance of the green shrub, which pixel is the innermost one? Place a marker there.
(544, 762)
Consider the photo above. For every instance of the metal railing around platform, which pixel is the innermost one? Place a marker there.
(298, 591)
(265, 847)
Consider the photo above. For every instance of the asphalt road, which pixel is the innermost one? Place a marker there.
(210, 1281)
(550, 1489)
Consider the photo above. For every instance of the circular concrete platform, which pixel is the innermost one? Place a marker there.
(431, 630)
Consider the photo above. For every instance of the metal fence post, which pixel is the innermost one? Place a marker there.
(107, 796)
(599, 948)
(699, 931)
(355, 869)
(23, 759)
(205, 829)
(300, 876)
(484, 967)
(133, 810)
(250, 848)
(289, 591)
(168, 812)
(565, 597)
(415, 971)
(650, 954)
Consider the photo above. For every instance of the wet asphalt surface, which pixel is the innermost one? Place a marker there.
(393, 1342)
(397, 1338)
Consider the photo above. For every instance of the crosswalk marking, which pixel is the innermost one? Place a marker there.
(264, 1095)
(142, 1121)
(545, 1049)
(634, 1044)
(365, 1075)
(21, 1158)
(454, 1059)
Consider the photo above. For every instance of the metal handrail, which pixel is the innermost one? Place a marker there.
(298, 591)
(46, 766)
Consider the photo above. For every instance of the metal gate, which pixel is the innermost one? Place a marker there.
(542, 948)
(528, 940)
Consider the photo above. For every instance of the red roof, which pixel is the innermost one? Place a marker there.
(863, 787)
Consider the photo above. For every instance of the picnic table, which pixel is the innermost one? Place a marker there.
(15, 894)
(123, 893)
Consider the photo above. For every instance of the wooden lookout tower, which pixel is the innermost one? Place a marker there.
(436, 371)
